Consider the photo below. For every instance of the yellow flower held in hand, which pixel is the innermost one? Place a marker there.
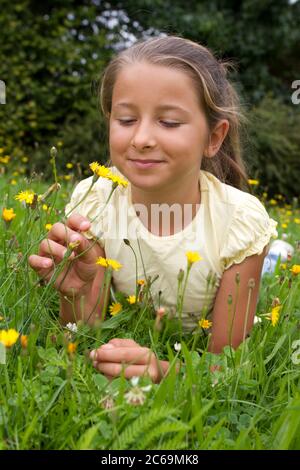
(205, 324)
(103, 172)
(193, 257)
(8, 337)
(8, 215)
(131, 299)
(48, 226)
(109, 262)
(115, 308)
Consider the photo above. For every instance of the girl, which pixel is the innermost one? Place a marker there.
(171, 111)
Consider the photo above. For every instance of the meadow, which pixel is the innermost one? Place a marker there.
(51, 397)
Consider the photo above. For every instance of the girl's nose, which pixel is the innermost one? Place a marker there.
(143, 137)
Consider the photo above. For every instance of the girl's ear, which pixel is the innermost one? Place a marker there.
(216, 138)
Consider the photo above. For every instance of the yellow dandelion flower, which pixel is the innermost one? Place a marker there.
(44, 207)
(67, 177)
(8, 215)
(27, 196)
(120, 181)
(72, 348)
(283, 265)
(25, 159)
(284, 225)
(193, 257)
(115, 265)
(69, 165)
(205, 324)
(131, 299)
(4, 159)
(115, 308)
(273, 202)
(141, 282)
(253, 182)
(48, 226)
(297, 221)
(274, 315)
(13, 182)
(24, 341)
(102, 261)
(295, 269)
(8, 337)
(100, 170)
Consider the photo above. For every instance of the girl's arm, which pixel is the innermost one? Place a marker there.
(233, 328)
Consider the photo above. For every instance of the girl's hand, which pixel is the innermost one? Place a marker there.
(119, 354)
(75, 280)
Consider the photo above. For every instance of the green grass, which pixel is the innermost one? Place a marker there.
(50, 399)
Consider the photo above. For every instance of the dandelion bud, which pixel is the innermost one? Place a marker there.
(127, 242)
(237, 278)
(229, 299)
(53, 152)
(180, 275)
(50, 190)
(275, 302)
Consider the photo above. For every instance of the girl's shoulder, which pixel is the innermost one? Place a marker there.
(226, 194)
(241, 220)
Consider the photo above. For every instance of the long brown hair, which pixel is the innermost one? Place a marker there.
(217, 95)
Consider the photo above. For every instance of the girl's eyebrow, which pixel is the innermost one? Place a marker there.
(164, 107)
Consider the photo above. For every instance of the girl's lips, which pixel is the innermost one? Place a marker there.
(145, 163)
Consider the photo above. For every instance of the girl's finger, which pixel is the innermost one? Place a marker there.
(123, 342)
(39, 262)
(52, 249)
(78, 223)
(134, 355)
(60, 233)
(115, 370)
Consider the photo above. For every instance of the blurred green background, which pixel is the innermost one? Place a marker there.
(53, 52)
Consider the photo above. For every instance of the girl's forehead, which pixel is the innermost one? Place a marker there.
(156, 81)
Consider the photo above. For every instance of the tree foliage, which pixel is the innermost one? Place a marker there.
(53, 52)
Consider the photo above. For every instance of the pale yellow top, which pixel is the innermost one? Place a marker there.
(229, 226)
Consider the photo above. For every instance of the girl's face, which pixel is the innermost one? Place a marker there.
(156, 117)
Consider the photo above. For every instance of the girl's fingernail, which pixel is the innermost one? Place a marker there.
(84, 225)
(95, 363)
(93, 354)
(47, 263)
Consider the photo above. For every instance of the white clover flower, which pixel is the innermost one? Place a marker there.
(177, 347)
(135, 396)
(72, 327)
(134, 381)
(257, 319)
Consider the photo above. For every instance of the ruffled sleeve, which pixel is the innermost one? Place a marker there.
(88, 200)
(250, 230)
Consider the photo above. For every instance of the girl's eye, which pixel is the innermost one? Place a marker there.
(125, 122)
